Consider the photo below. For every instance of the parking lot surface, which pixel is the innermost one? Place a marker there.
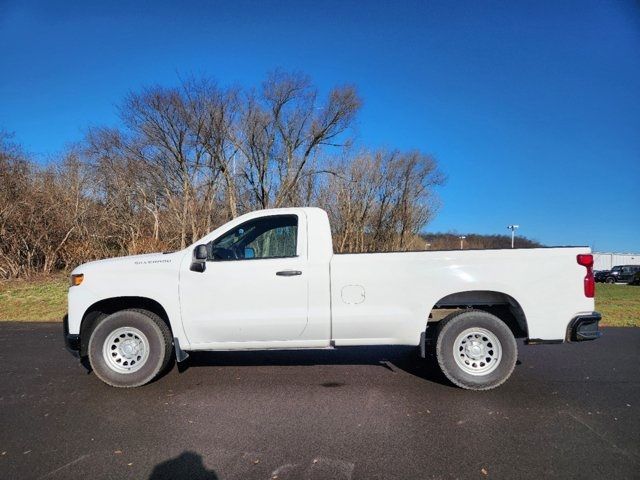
(569, 411)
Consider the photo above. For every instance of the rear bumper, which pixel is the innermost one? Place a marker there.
(71, 340)
(581, 328)
(584, 327)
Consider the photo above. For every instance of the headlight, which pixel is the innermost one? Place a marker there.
(76, 279)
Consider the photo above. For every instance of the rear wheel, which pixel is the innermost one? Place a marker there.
(475, 349)
(129, 348)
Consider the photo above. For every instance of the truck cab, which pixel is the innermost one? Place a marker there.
(265, 280)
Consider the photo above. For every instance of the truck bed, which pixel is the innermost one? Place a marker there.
(390, 295)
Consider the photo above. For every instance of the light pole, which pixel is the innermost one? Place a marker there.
(462, 237)
(513, 233)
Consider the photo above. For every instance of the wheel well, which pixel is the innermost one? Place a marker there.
(503, 306)
(111, 305)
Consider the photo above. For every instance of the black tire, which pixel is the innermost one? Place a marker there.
(450, 328)
(610, 280)
(158, 337)
(166, 332)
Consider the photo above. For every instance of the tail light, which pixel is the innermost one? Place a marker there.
(586, 260)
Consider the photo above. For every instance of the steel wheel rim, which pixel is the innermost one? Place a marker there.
(477, 351)
(126, 350)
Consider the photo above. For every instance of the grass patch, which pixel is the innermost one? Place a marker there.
(35, 300)
(618, 304)
(45, 299)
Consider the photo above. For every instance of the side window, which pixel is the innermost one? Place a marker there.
(266, 237)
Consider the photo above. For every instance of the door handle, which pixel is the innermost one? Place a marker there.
(288, 273)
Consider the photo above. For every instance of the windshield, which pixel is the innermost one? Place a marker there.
(616, 268)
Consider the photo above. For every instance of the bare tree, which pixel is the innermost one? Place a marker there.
(381, 201)
(282, 129)
(161, 121)
(214, 113)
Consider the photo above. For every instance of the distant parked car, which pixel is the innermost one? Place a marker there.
(636, 279)
(619, 273)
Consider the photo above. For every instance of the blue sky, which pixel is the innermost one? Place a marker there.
(531, 108)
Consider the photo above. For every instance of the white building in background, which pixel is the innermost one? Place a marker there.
(605, 261)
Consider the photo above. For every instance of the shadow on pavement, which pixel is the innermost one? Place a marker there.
(389, 357)
(186, 465)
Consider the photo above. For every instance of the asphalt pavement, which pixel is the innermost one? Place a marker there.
(568, 411)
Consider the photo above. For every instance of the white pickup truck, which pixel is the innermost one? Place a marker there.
(270, 280)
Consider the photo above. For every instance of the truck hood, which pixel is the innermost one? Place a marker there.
(129, 262)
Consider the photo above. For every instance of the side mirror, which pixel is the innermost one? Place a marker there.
(200, 252)
(199, 262)
(249, 252)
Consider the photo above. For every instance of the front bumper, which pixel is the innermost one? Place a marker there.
(584, 327)
(71, 340)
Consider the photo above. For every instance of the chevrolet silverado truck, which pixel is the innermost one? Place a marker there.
(271, 280)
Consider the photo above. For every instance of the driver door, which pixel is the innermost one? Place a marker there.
(253, 289)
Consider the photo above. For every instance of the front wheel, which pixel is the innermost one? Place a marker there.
(475, 349)
(610, 280)
(129, 348)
